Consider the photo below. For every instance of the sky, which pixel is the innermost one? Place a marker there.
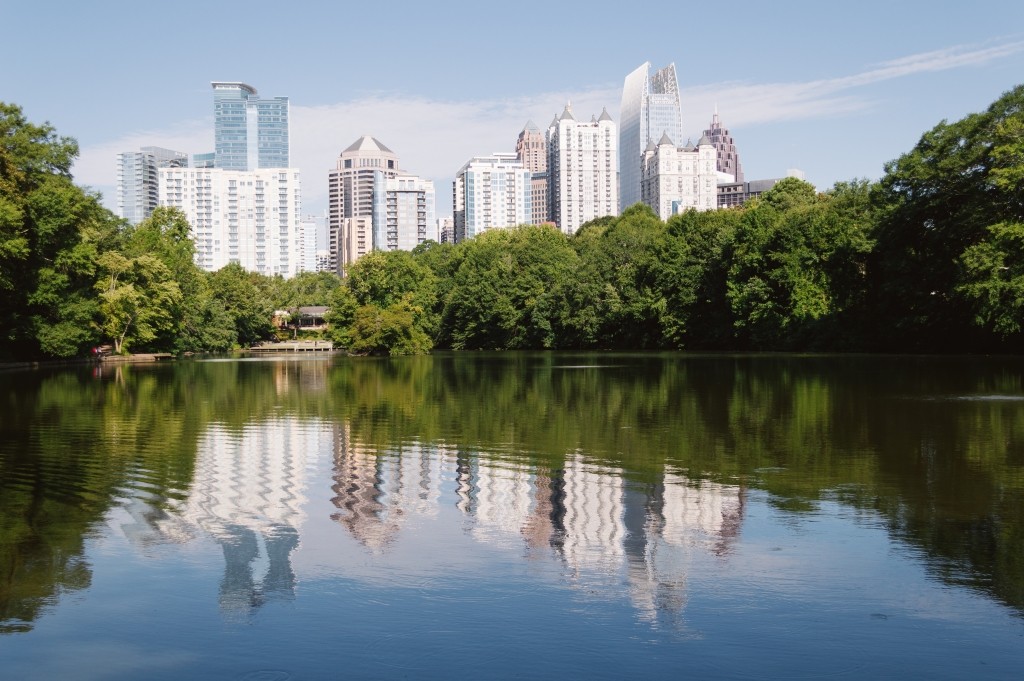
(834, 90)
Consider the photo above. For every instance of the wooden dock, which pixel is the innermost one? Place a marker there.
(141, 357)
(294, 346)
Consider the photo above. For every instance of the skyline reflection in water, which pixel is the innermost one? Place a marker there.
(813, 511)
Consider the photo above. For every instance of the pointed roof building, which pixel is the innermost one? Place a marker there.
(728, 157)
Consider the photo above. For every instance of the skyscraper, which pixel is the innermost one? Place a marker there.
(582, 158)
(728, 158)
(650, 108)
(531, 150)
(247, 217)
(491, 192)
(249, 132)
(403, 213)
(138, 190)
(351, 188)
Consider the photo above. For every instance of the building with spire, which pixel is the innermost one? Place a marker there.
(651, 107)
(676, 179)
(582, 169)
(531, 150)
(727, 157)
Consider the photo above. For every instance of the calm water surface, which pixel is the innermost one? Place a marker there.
(596, 516)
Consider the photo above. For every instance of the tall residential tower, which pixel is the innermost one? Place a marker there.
(138, 187)
(582, 158)
(650, 108)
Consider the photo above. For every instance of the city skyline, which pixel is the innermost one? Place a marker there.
(854, 80)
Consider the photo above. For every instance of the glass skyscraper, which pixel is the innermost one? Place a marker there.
(249, 132)
(650, 108)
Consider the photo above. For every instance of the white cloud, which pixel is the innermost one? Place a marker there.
(750, 104)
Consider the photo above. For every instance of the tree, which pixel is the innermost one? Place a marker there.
(237, 293)
(993, 279)
(137, 299)
(935, 203)
(50, 235)
(502, 296)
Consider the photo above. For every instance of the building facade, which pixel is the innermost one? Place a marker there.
(676, 179)
(138, 180)
(352, 186)
(249, 132)
(582, 170)
(531, 151)
(651, 107)
(252, 218)
(404, 213)
(491, 192)
(727, 156)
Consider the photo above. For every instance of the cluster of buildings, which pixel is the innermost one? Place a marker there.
(244, 200)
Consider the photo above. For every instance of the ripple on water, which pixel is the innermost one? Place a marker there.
(266, 675)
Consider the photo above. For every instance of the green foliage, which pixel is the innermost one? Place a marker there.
(993, 279)
(502, 296)
(137, 299)
(236, 293)
(935, 203)
(50, 235)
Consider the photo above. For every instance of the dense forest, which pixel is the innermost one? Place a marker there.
(930, 258)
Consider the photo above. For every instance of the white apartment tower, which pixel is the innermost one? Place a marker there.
(404, 213)
(491, 192)
(351, 188)
(252, 218)
(582, 170)
(676, 179)
(138, 180)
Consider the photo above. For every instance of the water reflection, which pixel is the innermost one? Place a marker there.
(248, 495)
(605, 530)
(625, 475)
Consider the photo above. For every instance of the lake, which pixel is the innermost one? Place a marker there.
(515, 515)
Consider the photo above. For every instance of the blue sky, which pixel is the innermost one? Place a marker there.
(832, 89)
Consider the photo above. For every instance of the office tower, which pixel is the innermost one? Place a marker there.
(531, 150)
(582, 162)
(403, 213)
(351, 188)
(249, 132)
(650, 108)
(728, 158)
(491, 192)
(676, 179)
(138, 190)
(247, 217)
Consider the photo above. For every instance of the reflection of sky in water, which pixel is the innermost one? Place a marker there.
(431, 561)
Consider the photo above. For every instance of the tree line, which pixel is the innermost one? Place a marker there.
(928, 258)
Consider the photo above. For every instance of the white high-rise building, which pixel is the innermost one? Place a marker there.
(582, 170)
(676, 179)
(651, 107)
(310, 230)
(351, 188)
(250, 217)
(403, 213)
(491, 192)
(138, 181)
